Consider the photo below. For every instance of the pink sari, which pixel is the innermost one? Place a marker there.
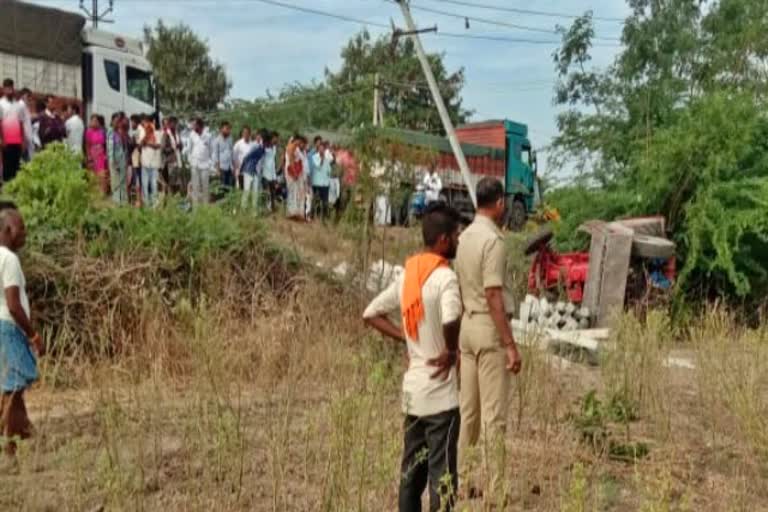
(95, 147)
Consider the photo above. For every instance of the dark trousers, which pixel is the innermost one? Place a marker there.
(270, 186)
(430, 457)
(227, 179)
(11, 161)
(321, 200)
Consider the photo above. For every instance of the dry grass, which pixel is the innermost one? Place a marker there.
(294, 406)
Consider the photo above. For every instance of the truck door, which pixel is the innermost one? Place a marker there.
(139, 91)
(108, 86)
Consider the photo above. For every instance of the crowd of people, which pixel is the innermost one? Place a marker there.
(136, 162)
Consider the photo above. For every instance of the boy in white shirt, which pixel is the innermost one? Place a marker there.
(18, 366)
(429, 301)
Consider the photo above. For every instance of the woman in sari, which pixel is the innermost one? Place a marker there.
(118, 152)
(295, 178)
(96, 151)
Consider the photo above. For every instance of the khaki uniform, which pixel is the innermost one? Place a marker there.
(481, 263)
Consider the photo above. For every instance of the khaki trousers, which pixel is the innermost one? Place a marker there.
(485, 385)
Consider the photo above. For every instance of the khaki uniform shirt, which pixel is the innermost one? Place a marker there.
(481, 263)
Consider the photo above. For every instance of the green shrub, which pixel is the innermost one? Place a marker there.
(172, 231)
(54, 193)
(707, 173)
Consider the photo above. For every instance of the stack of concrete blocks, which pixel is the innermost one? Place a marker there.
(561, 316)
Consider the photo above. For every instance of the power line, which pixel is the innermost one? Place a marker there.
(496, 22)
(317, 12)
(516, 10)
(504, 39)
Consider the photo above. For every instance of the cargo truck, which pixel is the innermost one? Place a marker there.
(519, 168)
(500, 149)
(50, 52)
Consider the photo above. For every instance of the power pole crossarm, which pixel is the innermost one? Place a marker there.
(94, 14)
(413, 33)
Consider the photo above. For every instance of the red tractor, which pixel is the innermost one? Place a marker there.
(651, 264)
(550, 270)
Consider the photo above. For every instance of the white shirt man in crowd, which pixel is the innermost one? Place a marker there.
(429, 301)
(433, 185)
(200, 162)
(75, 129)
(242, 147)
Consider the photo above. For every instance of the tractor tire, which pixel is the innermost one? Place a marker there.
(517, 215)
(537, 241)
(652, 247)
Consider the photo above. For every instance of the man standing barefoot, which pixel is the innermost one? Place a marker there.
(18, 367)
(427, 297)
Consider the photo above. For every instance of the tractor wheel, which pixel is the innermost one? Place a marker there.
(516, 215)
(652, 247)
(537, 241)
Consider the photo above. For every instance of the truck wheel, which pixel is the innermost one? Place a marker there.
(516, 215)
(537, 241)
(652, 247)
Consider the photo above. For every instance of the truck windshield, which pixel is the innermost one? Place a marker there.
(139, 84)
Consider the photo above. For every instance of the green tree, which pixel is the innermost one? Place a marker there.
(344, 99)
(406, 98)
(188, 80)
(674, 126)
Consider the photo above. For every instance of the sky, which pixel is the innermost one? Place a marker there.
(264, 46)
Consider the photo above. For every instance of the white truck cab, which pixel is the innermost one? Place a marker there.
(51, 52)
(116, 75)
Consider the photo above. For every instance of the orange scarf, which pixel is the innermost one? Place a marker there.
(417, 270)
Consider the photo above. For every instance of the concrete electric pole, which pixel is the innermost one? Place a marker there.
(438, 99)
(94, 14)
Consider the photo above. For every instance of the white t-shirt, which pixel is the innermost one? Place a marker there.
(433, 185)
(199, 151)
(11, 275)
(242, 148)
(75, 133)
(423, 395)
(151, 158)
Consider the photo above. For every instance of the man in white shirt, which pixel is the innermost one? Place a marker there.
(429, 301)
(242, 148)
(18, 366)
(433, 185)
(75, 129)
(200, 162)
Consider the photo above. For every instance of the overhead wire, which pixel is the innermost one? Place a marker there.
(530, 12)
(498, 23)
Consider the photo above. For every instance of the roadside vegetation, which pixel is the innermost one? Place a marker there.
(675, 127)
(204, 361)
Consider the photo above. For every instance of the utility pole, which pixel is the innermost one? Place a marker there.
(376, 93)
(94, 14)
(438, 98)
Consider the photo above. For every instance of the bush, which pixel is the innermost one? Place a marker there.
(707, 173)
(53, 192)
(172, 232)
